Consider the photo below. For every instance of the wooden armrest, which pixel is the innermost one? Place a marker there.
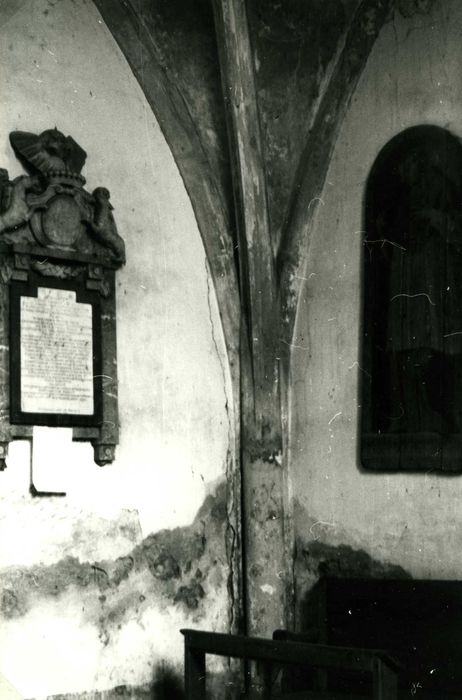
(287, 652)
(198, 644)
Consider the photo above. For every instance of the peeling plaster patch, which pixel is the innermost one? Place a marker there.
(190, 595)
(266, 449)
(162, 565)
(120, 607)
(267, 556)
(9, 606)
(265, 503)
(168, 556)
(86, 537)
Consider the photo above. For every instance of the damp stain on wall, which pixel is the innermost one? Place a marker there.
(325, 549)
(176, 564)
(343, 560)
(179, 575)
(167, 684)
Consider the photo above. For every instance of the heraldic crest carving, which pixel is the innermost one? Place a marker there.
(59, 252)
(50, 206)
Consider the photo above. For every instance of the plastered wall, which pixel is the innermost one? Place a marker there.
(346, 519)
(95, 586)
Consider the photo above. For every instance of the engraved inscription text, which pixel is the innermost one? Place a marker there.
(56, 353)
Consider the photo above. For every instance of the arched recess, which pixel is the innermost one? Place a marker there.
(412, 345)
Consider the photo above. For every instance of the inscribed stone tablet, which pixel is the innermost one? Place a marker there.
(56, 339)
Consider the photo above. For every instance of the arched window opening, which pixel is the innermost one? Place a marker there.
(412, 323)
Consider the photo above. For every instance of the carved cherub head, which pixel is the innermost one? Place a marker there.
(101, 193)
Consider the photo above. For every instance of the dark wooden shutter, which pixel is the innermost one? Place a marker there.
(412, 305)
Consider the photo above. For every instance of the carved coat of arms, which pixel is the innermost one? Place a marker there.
(50, 206)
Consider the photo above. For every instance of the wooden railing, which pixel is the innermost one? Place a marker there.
(280, 652)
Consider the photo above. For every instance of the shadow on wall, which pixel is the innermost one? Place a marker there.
(318, 559)
(319, 562)
(350, 599)
(168, 685)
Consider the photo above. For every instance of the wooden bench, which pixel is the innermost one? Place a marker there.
(271, 653)
(418, 621)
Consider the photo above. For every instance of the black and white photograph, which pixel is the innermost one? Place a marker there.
(230, 349)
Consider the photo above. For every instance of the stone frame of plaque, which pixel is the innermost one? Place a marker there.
(59, 245)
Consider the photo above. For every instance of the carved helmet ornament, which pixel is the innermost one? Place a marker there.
(50, 206)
